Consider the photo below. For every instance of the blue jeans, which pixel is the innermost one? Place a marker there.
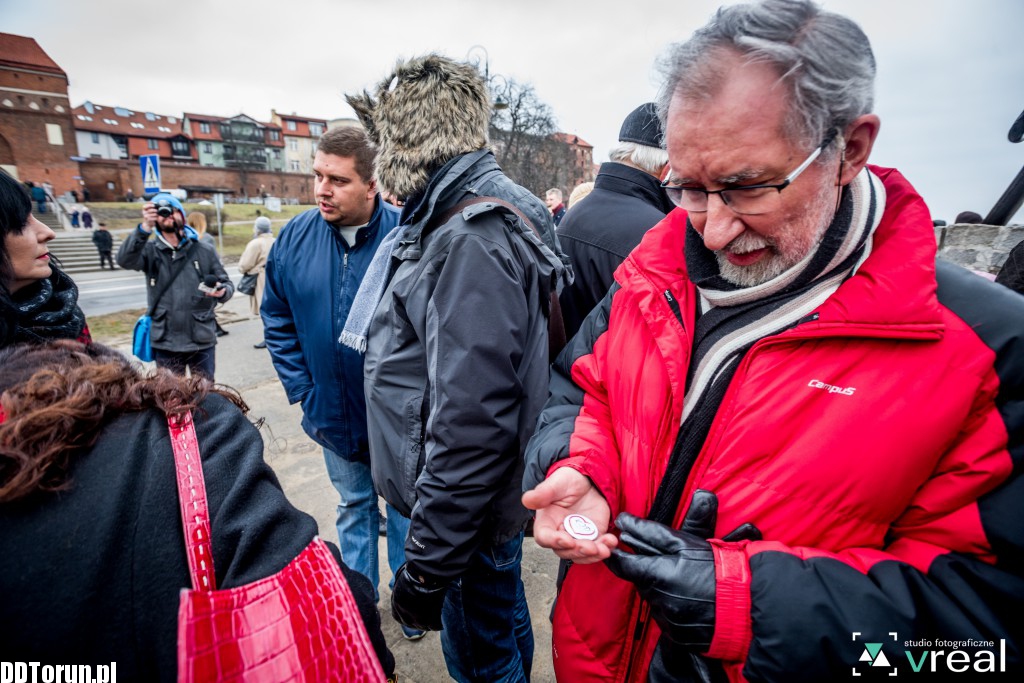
(359, 519)
(487, 632)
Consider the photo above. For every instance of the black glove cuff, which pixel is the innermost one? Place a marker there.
(417, 604)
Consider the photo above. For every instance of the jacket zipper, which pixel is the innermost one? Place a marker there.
(639, 631)
(674, 305)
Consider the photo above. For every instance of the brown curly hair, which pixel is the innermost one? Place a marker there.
(58, 397)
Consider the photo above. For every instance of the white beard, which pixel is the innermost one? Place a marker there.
(786, 249)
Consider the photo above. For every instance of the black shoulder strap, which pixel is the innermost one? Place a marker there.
(175, 271)
(556, 325)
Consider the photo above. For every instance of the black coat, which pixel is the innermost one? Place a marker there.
(91, 575)
(600, 230)
(1012, 272)
(103, 240)
(456, 365)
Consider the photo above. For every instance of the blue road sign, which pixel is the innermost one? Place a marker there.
(150, 165)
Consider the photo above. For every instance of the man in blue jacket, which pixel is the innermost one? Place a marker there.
(312, 273)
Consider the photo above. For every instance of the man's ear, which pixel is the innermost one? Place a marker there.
(860, 139)
(371, 189)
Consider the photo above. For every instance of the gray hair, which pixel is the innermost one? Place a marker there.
(823, 57)
(648, 159)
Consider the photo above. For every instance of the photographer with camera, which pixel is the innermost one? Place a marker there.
(184, 280)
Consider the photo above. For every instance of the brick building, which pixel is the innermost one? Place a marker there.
(37, 137)
(236, 141)
(300, 137)
(582, 159)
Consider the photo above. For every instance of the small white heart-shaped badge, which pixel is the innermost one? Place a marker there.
(580, 527)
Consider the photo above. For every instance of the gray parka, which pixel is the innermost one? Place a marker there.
(183, 320)
(456, 367)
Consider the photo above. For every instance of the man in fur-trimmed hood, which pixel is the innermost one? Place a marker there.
(453, 317)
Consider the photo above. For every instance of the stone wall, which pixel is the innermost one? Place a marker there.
(100, 174)
(978, 247)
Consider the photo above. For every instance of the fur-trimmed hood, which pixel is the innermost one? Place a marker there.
(428, 111)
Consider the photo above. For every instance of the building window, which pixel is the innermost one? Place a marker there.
(293, 145)
(152, 144)
(110, 122)
(54, 134)
(83, 117)
(164, 129)
(292, 126)
(136, 124)
(316, 130)
(204, 127)
(207, 148)
(295, 166)
(95, 137)
(277, 154)
(179, 148)
(275, 135)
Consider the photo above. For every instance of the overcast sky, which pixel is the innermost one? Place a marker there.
(950, 72)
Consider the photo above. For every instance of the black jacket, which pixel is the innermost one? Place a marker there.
(103, 240)
(1012, 272)
(456, 365)
(183, 320)
(600, 230)
(91, 575)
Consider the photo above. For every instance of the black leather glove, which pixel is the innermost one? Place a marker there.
(417, 604)
(674, 571)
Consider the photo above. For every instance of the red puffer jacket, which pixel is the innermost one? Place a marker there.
(877, 447)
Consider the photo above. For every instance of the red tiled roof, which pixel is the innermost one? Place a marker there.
(571, 139)
(99, 121)
(306, 119)
(25, 53)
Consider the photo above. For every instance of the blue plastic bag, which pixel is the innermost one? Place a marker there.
(140, 339)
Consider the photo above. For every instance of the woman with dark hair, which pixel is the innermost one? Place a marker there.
(92, 552)
(38, 301)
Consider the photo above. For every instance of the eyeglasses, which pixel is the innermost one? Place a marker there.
(748, 199)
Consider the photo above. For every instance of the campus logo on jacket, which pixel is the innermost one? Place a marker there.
(940, 656)
(831, 388)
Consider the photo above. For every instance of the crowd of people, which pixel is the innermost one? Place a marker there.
(782, 420)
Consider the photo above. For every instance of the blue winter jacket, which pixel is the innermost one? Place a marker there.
(312, 276)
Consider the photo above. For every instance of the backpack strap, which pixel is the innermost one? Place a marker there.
(195, 510)
(556, 324)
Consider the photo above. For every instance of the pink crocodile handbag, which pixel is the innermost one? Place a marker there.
(299, 625)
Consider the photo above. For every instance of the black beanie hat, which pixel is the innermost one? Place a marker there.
(643, 127)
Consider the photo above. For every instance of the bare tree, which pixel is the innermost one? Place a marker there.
(522, 139)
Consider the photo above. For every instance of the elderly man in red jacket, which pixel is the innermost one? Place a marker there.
(798, 436)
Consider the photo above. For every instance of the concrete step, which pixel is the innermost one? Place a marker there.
(76, 251)
(50, 219)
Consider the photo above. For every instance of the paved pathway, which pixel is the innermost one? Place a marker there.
(299, 465)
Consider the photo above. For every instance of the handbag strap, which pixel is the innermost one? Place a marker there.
(180, 265)
(195, 511)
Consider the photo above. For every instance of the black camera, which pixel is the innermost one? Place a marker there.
(164, 208)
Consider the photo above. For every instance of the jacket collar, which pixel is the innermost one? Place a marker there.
(626, 180)
(366, 232)
(446, 187)
(188, 235)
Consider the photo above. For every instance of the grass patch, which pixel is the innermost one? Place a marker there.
(113, 326)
